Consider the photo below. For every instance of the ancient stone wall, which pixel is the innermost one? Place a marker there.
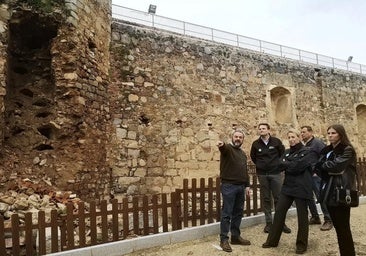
(141, 113)
(55, 73)
(173, 97)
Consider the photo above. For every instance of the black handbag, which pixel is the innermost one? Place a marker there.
(343, 195)
(346, 197)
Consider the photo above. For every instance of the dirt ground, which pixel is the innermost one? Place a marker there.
(321, 243)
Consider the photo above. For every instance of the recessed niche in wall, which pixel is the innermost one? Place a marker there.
(281, 105)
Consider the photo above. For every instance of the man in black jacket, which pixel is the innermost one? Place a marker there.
(316, 145)
(265, 153)
(234, 186)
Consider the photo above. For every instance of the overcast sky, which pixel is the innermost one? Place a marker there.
(336, 28)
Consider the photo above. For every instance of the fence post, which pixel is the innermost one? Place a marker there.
(30, 243)
(185, 202)
(218, 199)
(70, 226)
(104, 218)
(81, 221)
(2, 234)
(202, 201)
(176, 210)
(93, 223)
(54, 231)
(115, 226)
(15, 234)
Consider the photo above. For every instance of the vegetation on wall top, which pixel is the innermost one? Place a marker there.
(44, 5)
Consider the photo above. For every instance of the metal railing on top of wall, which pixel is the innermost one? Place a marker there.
(189, 29)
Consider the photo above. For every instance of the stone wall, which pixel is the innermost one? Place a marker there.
(54, 77)
(173, 97)
(133, 110)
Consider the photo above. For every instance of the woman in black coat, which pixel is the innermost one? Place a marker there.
(297, 186)
(339, 157)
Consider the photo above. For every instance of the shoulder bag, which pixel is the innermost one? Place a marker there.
(343, 194)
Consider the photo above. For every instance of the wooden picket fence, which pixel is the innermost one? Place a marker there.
(91, 224)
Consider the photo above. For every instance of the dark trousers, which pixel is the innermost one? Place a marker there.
(312, 205)
(233, 197)
(283, 204)
(270, 186)
(341, 221)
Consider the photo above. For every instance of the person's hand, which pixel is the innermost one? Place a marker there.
(220, 143)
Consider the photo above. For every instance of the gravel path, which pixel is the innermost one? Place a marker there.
(321, 243)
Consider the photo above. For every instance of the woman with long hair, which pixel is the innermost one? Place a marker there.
(338, 158)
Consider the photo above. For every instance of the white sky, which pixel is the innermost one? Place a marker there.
(335, 28)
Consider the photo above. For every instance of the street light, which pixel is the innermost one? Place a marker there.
(152, 9)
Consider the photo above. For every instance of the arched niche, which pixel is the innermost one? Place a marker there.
(361, 123)
(281, 105)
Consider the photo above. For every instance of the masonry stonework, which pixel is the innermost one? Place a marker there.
(175, 96)
(55, 74)
(126, 109)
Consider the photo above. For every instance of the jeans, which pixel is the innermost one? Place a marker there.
(316, 189)
(233, 197)
(311, 202)
(270, 185)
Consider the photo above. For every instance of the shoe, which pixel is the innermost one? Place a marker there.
(226, 246)
(315, 220)
(300, 250)
(267, 228)
(286, 229)
(327, 225)
(268, 245)
(239, 240)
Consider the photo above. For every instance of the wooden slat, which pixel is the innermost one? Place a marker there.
(115, 226)
(81, 222)
(194, 202)
(135, 211)
(125, 218)
(29, 243)
(54, 231)
(63, 235)
(255, 189)
(185, 202)
(15, 234)
(176, 223)
(210, 201)
(104, 218)
(155, 213)
(145, 214)
(70, 226)
(218, 199)
(2, 234)
(41, 233)
(164, 211)
(202, 201)
(93, 223)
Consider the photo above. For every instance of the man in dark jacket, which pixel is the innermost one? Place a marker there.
(234, 186)
(265, 153)
(316, 145)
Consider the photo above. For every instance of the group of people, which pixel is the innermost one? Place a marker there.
(287, 177)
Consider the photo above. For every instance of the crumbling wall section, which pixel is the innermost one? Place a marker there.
(54, 93)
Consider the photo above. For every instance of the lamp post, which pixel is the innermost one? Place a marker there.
(152, 11)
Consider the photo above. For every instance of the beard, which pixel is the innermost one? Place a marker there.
(237, 143)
